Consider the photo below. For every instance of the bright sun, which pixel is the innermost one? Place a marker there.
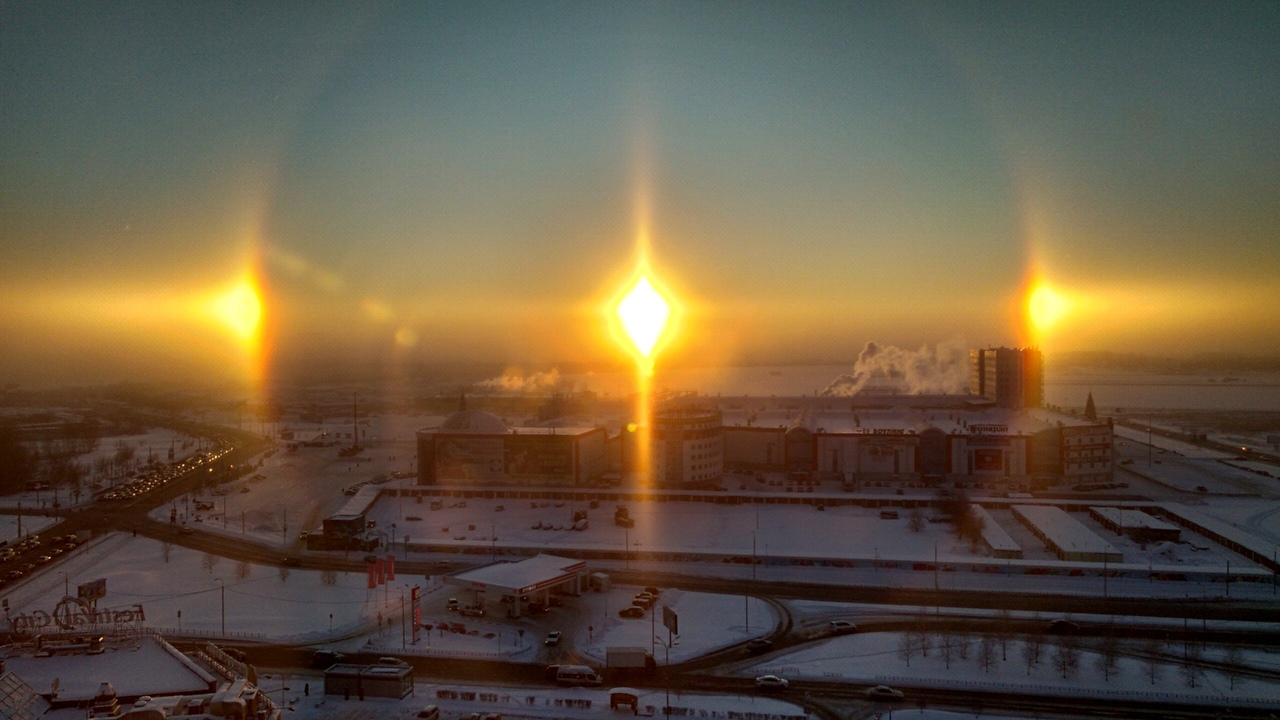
(644, 314)
(239, 309)
(1045, 307)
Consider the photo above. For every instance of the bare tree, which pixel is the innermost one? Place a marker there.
(328, 576)
(1108, 655)
(1032, 650)
(946, 647)
(1235, 664)
(243, 569)
(963, 639)
(1066, 657)
(987, 653)
(1152, 659)
(915, 520)
(1004, 632)
(906, 646)
(209, 561)
(1190, 668)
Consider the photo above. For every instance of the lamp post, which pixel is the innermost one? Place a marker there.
(666, 648)
(222, 587)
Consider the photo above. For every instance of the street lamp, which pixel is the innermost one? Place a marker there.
(666, 648)
(223, 591)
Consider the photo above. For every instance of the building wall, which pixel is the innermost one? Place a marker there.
(752, 448)
(536, 460)
(1087, 453)
(688, 447)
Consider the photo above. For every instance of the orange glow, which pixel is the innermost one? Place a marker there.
(239, 309)
(644, 314)
(1046, 307)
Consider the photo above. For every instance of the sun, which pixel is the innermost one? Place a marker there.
(239, 309)
(644, 314)
(1045, 308)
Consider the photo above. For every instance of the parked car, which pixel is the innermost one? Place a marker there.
(883, 692)
(771, 682)
(323, 659)
(633, 611)
(843, 626)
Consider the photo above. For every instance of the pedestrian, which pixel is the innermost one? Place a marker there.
(306, 689)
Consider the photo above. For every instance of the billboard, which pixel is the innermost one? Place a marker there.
(92, 590)
(988, 460)
(469, 459)
(539, 456)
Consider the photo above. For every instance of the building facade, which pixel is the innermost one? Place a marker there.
(687, 447)
(1009, 377)
(473, 447)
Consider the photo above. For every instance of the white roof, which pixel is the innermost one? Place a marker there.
(1132, 518)
(994, 535)
(520, 577)
(1063, 530)
(153, 668)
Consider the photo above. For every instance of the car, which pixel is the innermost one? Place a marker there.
(883, 692)
(184, 530)
(633, 611)
(759, 645)
(44, 559)
(452, 604)
(842, 626)
(1063, 627)
(324, 659)
(553, 638)
(653, 591)
(392, 662)
(472, 610)
(537, 607)
(290, 562)
(771, 682)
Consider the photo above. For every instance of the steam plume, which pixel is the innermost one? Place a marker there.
(941, 369)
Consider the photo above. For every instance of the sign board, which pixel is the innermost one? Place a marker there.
(888, 431)
(989, 429)
(988, 460)
(414, 596)
(92, 590)
(670, 620)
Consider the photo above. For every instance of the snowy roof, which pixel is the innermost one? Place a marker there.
(1132, 519)
(520, 577)
(1262, 548)
(152, 668)
(994, 535)
(1063, 530)
(359, 503)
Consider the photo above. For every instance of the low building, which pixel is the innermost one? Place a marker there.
(473, 447)
(362, 681)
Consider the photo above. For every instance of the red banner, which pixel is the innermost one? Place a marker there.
(382, 571)
(391, 568)
(373, 575)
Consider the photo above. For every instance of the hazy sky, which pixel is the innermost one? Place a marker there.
(467, 180)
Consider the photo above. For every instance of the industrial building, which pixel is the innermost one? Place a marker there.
(1010, 377)
(473, 447)
(687, 447)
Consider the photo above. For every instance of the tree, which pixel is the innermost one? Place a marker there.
(1108, 655)
(1190, 668)
(1152, 658)
(906, 646)
(1234, 661)
(1032, 650)
(1090, 412)
(915, 520)
(1066, 657)
(987, 653)
(17, 466)
(962, 644)
(946, 647)
(1004, 633)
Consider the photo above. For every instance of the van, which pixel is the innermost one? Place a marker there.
(576, 675)
(430, 712)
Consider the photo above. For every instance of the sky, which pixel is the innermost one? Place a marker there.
(193, 190)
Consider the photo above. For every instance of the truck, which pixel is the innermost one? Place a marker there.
(629, 658)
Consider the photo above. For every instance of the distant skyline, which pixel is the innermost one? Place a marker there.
(205, 190)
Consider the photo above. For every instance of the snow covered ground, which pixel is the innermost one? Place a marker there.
(880, 658)
(9, 530)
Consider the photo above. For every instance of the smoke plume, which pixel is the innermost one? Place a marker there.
(943, 368)
(513, 382)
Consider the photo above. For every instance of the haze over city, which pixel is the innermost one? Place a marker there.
(236, 193)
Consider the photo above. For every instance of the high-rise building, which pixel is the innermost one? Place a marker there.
(1011, 377)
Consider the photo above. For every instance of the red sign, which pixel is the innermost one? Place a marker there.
(391, 568)
(382, 571)
(373, 575)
